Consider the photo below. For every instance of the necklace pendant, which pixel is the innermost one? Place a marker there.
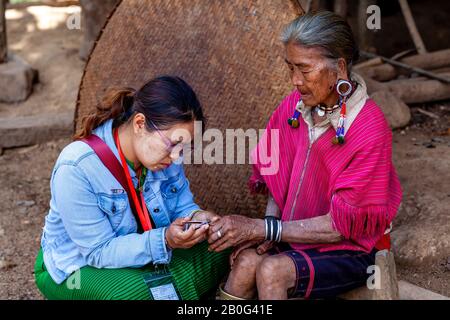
(320, 112)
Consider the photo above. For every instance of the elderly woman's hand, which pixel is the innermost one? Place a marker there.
(233, 230)
(203, 215)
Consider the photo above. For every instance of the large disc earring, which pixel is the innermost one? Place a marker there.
(343, 88)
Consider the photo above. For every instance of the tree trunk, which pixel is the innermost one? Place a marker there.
(340, 8)
(385, 72)
(365, 36)
(419, 91)
(94, 15)
(3, 43)
(411, 24)
(430, 60)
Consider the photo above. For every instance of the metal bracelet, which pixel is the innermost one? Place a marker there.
(266, 228)
(272, 228)
(277, 223)
(280, 231)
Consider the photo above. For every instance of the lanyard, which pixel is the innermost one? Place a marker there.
(141, 207)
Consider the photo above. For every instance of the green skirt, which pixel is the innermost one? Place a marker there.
(192, 274)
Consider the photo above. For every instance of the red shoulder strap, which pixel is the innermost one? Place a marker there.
(111, 162)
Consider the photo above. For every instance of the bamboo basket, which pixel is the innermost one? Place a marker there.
(228, 51)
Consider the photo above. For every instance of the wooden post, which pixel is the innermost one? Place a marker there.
(365, 36)
(411, 24)
(431, 60)
(3, 43)
(298, 7)
(308, 5)
(313, 5)
(340, 8)
(388, 289)
(420, 71)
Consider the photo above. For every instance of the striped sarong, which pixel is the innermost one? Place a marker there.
(195, 273)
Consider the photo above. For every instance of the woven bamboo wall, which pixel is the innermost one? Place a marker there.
(228, 51)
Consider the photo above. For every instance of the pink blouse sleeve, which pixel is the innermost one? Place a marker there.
(364, 199)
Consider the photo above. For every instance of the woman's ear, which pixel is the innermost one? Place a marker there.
(138, 123)
(342, 69)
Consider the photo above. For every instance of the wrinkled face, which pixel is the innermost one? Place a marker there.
(312, 74)
(157, 150)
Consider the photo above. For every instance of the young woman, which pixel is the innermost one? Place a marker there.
(111, 238)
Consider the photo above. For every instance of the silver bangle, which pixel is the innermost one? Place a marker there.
(273, 228)
(280, 231)
(269, 228)
(266, 228)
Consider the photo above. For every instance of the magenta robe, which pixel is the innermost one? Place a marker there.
(355, 182)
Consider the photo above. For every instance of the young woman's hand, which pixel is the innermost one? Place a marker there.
(177, 237)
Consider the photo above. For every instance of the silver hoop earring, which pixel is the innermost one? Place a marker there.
(344, 87)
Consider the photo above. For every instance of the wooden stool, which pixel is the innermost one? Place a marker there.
(388, 290)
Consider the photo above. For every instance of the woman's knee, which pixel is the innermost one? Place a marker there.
(277, 269)
(247, 261)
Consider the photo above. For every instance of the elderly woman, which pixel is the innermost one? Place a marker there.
(332, 200)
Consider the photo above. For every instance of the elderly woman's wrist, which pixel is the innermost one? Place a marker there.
(259, 232)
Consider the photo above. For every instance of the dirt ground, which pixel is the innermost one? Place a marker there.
(421, 234)
(421, 156)
(39, 35)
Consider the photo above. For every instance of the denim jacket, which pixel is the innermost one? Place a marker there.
(90, 222)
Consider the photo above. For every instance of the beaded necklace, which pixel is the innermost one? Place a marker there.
(321, 110)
